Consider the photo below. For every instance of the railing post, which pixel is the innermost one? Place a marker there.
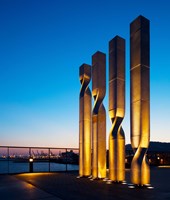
(49, 160)
(8, 158)
(30, 161)
(66, 160)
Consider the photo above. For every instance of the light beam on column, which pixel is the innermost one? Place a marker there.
(85, 121)
(140, 98)
(117, 109)
(98, 115)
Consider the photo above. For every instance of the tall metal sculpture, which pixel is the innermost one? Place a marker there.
(117, 109)
(140, 98)
(85, 122)
(98, 115)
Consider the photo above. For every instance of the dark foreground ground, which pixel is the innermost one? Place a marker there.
(65, 186)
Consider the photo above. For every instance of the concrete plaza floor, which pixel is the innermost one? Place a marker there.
(65, 186)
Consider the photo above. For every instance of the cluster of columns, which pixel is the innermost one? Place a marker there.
(92, 122)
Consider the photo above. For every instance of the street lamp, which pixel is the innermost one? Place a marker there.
(31, 164)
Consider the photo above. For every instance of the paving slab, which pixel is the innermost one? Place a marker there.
(12, 188)
(67, 187)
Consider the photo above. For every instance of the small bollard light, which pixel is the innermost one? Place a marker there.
(31, 164)
(31, 160)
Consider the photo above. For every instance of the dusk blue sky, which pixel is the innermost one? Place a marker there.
(42, 45)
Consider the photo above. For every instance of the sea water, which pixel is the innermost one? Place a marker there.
(21, 167)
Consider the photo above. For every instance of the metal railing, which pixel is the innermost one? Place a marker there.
(14, 159)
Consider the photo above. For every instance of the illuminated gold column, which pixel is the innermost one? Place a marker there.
(117, 109)
(99, 115)
(85, 122)
(140, 98)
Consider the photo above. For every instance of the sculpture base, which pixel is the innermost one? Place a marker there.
(83, 176)
(145, 186)
(116, 182)
(97, 178)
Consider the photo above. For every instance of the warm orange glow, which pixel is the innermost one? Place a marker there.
(140, 100)
(99, 144)
(85, 122)
(117, 109)
(98, 116)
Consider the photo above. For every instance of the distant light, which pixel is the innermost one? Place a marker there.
(164, 166)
